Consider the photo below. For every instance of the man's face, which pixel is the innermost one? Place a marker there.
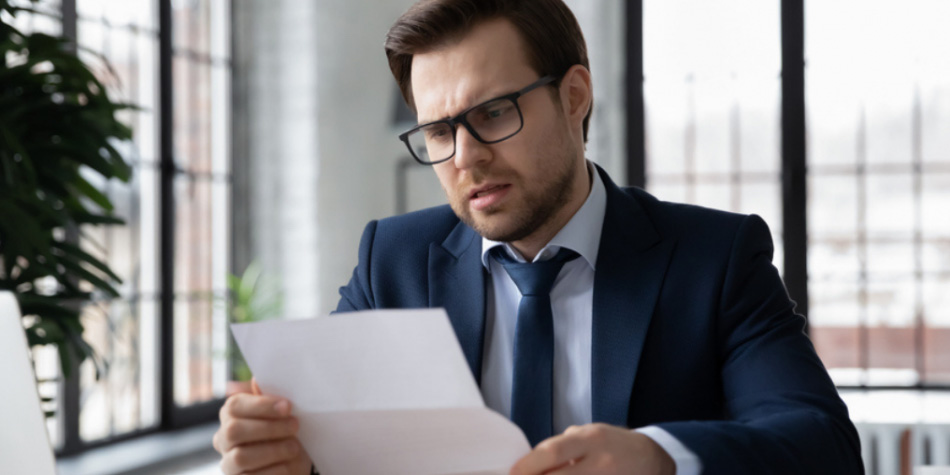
(511, 190)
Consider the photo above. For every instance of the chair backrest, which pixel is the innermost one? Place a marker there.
(24, 444)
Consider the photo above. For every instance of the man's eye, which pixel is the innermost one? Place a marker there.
(495, 112)
(437, 133)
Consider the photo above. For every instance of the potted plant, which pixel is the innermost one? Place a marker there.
(58, 131)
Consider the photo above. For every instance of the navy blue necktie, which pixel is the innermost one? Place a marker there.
(532, 385)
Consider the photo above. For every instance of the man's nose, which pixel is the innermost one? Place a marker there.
(469, 151)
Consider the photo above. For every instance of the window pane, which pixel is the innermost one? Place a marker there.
(891, 354)
(763, 198)
(49, 23)
(712, 93)
(876, 183)
(834, 318)
(936, 205)
(200, 348)
(890, 202)
(49, 377)
(890, 259)
(193, 236)
(937, 330)
(192, 21)
(124, 332)
(934, 100)
(761, 126)
(832, 207)
(220, 120)
(833, 261)
(192, 115)
(666, 128)
(124, 399)
(201, 256)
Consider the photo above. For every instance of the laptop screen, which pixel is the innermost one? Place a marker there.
(24, 444)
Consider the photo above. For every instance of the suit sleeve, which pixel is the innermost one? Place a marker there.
(783, 413)
(358, 293)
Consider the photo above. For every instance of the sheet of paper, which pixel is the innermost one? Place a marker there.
(386, 391)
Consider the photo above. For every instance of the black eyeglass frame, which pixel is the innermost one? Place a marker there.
(453, 122)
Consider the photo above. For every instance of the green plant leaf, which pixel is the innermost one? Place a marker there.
(88, 276)
(44, 143)
(90, 218)
(79, 256)
(92, 193)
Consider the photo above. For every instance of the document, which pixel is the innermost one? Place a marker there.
(381, 392)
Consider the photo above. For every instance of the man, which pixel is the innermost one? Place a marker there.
(663, 340)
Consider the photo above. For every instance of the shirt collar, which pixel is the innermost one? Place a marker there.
(581, 234)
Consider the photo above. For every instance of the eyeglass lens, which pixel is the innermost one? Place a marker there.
(492, 122)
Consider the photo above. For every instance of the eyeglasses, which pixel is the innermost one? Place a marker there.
(490, 122)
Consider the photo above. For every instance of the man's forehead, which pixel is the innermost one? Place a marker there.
(488, 61)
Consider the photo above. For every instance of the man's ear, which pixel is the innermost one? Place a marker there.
(577, 93)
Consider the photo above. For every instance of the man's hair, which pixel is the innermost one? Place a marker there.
(551, 33)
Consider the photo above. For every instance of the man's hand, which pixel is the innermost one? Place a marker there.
(596, 449)
(258, 435)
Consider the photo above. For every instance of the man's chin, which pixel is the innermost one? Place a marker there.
(493, 223)
(495, 228)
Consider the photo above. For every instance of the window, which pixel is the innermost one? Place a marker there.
(712, 89)
(164, 340)
(124, 331)
(872, 272)
(878, 95)
(201, 69)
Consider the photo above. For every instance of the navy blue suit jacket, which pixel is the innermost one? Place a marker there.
(693, 330)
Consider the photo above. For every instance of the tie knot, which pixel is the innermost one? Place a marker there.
(534, 278)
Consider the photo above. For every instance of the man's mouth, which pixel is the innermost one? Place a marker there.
(485, 190)
(488, 195)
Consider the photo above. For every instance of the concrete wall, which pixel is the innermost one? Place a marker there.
(316, 151)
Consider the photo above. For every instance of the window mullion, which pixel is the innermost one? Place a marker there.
(794, 216)
(167, 219)
(636, 113)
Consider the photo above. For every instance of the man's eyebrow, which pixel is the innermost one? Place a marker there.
(486, 98)
(429, 121)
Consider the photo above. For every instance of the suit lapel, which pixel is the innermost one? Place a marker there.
(631, 264)
(457, 283)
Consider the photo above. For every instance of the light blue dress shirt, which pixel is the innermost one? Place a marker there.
(572, 300)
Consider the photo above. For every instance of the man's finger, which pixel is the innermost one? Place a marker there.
(573, 467)
(254, 387)
(245, 431)
(249, 406)
(250, 457)
(278, 469)
(238, 387)
(551, 454)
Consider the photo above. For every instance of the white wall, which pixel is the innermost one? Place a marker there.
(278, 62)
(603, 24)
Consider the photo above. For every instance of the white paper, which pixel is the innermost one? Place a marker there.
(384, 391)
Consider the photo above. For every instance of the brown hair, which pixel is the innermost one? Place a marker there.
(550, 31)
